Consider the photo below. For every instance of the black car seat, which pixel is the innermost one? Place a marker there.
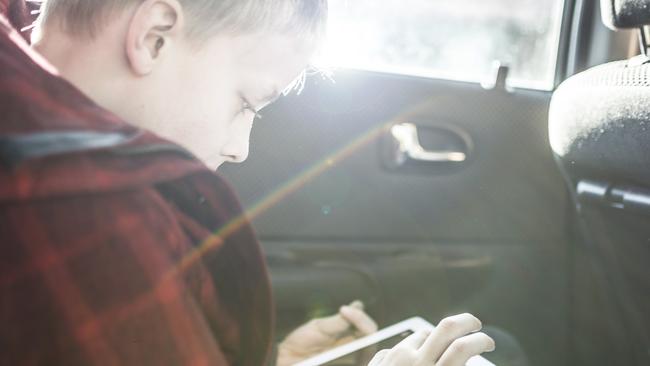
(599, 126)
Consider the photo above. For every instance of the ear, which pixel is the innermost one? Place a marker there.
(151, 31)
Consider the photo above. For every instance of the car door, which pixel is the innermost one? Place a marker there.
(418, 176)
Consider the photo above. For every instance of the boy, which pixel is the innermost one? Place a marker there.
(119, 245)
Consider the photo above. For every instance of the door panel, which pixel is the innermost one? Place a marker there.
(486, 235)
(334, 130)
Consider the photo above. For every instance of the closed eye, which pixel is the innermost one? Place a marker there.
(246, 106)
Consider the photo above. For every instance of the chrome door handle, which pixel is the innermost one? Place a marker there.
(408, 145)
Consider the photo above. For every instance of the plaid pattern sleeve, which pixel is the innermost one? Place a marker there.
(96, 281)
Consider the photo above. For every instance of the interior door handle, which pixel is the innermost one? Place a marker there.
(408, 145)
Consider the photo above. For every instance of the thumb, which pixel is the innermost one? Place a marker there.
(357, 304)
(355, 316)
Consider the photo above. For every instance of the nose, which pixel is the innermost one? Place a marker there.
(236, 155)
(236, 149)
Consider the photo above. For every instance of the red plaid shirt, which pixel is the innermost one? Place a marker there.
(117, 247)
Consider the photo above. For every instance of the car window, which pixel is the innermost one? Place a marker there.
(450, 39)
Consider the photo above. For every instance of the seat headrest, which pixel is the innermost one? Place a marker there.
(599, 123)
(624, 14)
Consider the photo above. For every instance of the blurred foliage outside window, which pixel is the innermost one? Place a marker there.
(448, 39)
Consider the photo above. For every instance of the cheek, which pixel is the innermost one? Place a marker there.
(202, 126)
(211, 132)
(204, 105)
(209, 113)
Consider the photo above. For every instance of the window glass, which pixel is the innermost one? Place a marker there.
(451, 39)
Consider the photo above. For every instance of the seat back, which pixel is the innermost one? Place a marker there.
(599, 126)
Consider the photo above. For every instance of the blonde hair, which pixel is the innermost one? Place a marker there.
(306, 18)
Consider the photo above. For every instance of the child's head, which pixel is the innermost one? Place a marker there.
(192, 71)
(204, 18)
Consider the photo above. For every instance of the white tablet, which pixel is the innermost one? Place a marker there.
(360, 351)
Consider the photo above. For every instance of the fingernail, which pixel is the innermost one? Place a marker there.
(357, 304)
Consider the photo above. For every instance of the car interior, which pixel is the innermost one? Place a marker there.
(475, 156)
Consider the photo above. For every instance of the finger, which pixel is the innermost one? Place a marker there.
(464, 348)
(415, 340)
(447, 331)
(338, 325)
(378, 357)
(334, 326)
(358, 319)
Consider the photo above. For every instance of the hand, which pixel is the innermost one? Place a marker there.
(454, 341)
(319, 335)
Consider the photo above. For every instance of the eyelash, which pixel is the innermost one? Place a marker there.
(247, 107)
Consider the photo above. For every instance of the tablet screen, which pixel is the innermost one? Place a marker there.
(364, 355)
